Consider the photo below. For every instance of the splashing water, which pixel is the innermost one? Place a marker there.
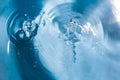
(21, 28)
(63, 39)
(73, 27)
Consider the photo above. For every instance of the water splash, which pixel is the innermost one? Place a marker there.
(74, 27)
(21, 28)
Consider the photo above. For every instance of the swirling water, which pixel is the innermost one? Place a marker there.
(66, 40)
(78, 45)
(70, 36)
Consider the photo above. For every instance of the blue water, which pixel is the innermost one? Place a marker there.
(59, 40)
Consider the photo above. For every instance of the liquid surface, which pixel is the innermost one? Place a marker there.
(60, 40)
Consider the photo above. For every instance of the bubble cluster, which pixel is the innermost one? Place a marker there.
(78, 29)
(28, 30)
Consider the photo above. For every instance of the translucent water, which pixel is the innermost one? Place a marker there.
(65, 39)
